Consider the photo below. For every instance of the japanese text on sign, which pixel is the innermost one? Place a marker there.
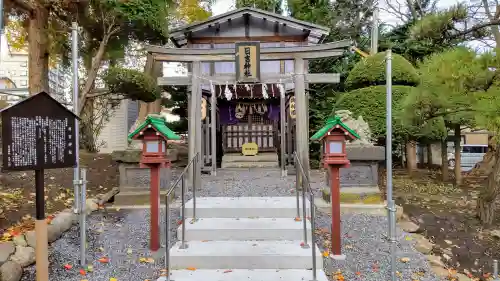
(28, 133)
(247, 62)
(246, 66)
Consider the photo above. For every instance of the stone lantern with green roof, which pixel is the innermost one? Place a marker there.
(154, 134)
(334, 136)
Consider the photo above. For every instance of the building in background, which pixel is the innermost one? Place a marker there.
(14, 68)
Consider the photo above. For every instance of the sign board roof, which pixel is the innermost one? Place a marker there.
(330, 124)
(158, 124)
(38, 133)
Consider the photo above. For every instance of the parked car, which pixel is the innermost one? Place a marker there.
(470, 156)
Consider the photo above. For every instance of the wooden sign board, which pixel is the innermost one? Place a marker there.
(247, 62)
(250, 149)
(38, 133)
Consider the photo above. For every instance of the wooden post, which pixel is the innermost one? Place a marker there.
(196, 92)
(306, 163)
(207, 136)
(213, 129)
(283, 121)
(301, 113)
(154, 199)
(41, 251)
(335, 201)
(192, 123)
(283, 133)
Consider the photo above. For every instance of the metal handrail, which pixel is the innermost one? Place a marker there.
(182, 178)
(305, 179)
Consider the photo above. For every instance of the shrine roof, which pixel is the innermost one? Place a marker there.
(159, 124)
(330, 124)
(315, 33)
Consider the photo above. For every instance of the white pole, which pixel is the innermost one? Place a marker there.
(83, 215)
(76, 170)
(390, 202)
(374, 39)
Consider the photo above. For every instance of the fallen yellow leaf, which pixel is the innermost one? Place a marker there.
(191, 268)
(113, 279)
(405, 260)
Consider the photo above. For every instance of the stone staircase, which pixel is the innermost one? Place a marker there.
(244, 238)
(261, 160)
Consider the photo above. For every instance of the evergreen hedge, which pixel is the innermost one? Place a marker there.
(371, 71)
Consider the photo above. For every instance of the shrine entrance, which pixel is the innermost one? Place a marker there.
(250, 122)
(254, 84)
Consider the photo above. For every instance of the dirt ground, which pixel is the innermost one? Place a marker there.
(447, 217)
(17, 193)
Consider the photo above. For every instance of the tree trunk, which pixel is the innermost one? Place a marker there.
(156, 70)
(486, 200)
(92, 72)
(458, 155)
(411, 156)
(88, 136)
(429, 155)
(38, 51)
(486, 165)
(445, 174)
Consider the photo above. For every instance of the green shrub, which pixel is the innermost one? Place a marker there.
(134, 84)
(370, 102)
(372, 72)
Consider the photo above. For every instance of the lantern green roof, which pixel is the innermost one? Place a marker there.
(158, 122)
(330, 124)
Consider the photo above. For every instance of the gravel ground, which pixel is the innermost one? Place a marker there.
(368, 252)
(116, 232)
(111, 234)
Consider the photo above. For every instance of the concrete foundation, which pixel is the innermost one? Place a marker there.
(244, 255)
(245, 274)
(244, 207)
(244, 238)
(244, 229)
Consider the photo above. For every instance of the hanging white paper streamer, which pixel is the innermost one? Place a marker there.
(212, 88)
(247, 87)
(227, 92)
(220, 90)
(235, 90)
(264, 91)
(281, 89)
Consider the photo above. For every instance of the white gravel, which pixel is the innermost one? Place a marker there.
(118, 231)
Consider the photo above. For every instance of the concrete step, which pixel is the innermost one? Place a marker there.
(245, 274)
(137, 198)
(244, 229)
(243, 255)
(244, 207)
(250, 164)
(261, 157)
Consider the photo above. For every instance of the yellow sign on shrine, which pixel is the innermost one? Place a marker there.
(250, 149)
(247, 62)
(203, 109)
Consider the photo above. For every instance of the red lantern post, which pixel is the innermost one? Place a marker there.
(154, 135)
(334, 136)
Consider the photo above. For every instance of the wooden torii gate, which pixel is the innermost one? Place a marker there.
(301, 78)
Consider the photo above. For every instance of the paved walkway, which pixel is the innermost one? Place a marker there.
(122, 237)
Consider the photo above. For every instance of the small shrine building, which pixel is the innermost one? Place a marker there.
(249, 68)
